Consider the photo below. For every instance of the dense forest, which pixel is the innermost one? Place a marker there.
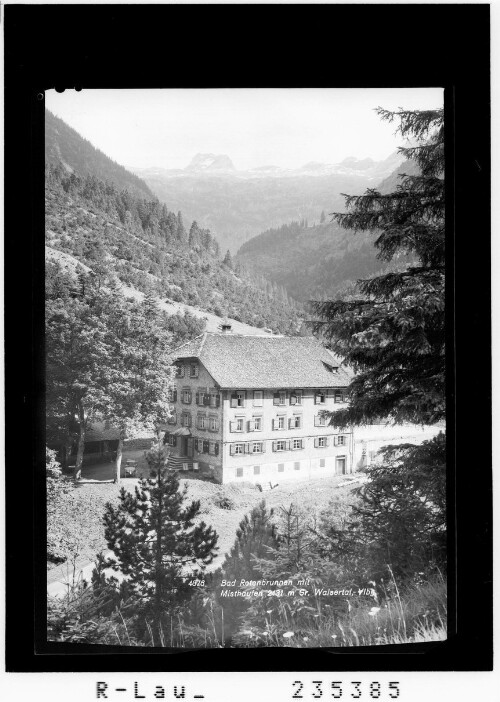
(150, 249)
(315, 262)
(311, 262)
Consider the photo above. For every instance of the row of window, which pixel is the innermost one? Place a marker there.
(242, 448)
(280, 423)
(340, 467)
(282, 397)
(200, 445)
(240, 424)
(202, 421)
(190, 370)
(239, 399)
(202, 399)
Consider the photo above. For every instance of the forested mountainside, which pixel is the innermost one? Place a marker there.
(149, 249)
(316, 262)
(63, 145)
(238, 205)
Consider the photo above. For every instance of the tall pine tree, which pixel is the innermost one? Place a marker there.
(391, 332)
(156, 541)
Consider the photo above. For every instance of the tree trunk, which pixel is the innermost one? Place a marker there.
(81, 441)
(158, 555)
(119, 454)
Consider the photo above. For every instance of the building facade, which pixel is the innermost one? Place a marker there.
(251, 408)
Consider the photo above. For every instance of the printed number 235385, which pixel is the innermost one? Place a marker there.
(353, 689)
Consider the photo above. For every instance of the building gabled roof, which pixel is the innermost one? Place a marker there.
(237, 361)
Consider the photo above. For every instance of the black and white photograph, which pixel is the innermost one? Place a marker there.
(245, 367)
(248, 352)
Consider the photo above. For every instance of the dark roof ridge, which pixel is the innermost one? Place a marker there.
(204, 338)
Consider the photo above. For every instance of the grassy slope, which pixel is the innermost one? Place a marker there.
(85, 506)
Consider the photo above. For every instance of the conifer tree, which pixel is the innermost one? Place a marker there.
(256, 532)
(155, 540)
(228, 261)
(391, 332)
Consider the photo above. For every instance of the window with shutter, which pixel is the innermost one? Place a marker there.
(276, 398)
(257, 421)
(233, 426)
(206, 447)
(234, 401)
(319, 398)
(232, 449)
(251, 425)
(293, 399)
(240, 397)
(217, 448)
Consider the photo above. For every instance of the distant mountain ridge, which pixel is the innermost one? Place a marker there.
(238, 205)
(211, 164)
(221, 165)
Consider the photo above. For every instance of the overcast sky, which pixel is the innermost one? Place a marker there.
(254, 127)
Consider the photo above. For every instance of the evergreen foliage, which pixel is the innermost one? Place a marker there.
(398, 521)
(146, 247)
(62, 143)
(256, 532)
(310, 265)
(156, 539)
(391, 331)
